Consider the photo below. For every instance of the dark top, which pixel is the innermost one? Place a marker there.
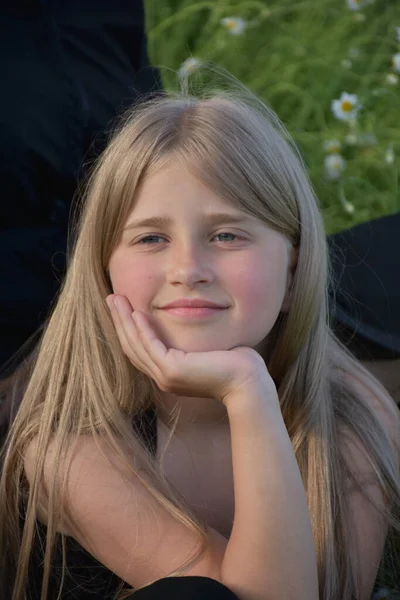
(88, 579)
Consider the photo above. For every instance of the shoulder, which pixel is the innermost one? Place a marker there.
(366, 500)
(119, 517)
(372, 393)
(353, 440)
(86, 461)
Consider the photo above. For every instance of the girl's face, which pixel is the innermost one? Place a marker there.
(190, 253)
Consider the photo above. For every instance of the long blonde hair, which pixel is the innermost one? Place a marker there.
(81, 381)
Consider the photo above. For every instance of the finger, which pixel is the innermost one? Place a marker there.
(129, 348)
(111, 301)
(151, 343)
(134, 340)
(169, 362)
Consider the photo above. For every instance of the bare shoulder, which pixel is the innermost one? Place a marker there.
(80, 452)
(85, 458)
(387, 414)
(366, 504)
(115, 516)
(367, 387)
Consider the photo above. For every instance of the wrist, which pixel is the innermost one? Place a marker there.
(254, 399)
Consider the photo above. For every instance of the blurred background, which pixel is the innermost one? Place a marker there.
(329, 68)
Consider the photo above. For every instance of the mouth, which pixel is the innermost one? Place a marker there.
(193, 312)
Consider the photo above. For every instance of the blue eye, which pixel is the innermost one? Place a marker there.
(149, 237)
(227, 233)
(144, 241)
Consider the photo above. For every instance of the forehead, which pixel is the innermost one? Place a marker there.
(174, 190)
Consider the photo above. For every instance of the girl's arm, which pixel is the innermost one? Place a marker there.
(270, 554)
(271, 550)
(368, 528)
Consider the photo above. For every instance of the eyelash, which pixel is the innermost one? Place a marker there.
(159, 236)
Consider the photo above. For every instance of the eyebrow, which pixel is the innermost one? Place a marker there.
(165, 220)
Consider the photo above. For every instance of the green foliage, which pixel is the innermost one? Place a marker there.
(299, 57)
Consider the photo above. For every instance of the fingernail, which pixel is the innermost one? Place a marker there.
(118, 302)
(109, 301)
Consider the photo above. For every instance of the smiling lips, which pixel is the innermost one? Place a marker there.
(196, 307)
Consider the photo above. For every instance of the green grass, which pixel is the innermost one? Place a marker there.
(291, 54)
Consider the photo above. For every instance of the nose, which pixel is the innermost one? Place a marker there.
(189, 264)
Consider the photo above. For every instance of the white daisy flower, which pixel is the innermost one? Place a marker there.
(396, 62)
(188, 66)
(346, 108)
(332, 146)
(355, 4)
(351, 139)
(235, 25)
(334, 166)
(398, 34)
(349, 207)
(360, 17)
(392, 79)
(389, 155)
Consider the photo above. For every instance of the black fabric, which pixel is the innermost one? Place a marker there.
(179, 588)
(85, 579)
(366, 294)
(67, 70)
(88, 579)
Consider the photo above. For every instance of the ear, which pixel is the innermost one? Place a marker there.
(294, 253)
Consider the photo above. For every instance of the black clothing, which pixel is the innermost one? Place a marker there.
(182, 588)
(366, 292)
(88, 579)
(67, 70)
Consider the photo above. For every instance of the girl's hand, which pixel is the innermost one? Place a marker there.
(214, 374)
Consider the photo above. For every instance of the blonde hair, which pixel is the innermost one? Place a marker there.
(82, 382)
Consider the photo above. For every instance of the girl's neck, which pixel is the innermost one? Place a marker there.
(193, 413)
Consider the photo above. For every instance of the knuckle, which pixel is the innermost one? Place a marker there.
(172, 376)
(169, 381)
(163, 387)
(126, 349)
(164, 384)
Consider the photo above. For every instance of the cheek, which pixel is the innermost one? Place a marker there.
(260, 288)
(130, 278)
(259, 285)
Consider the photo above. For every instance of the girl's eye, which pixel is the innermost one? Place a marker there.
(227, 233)
(144, 240)
(149, 237)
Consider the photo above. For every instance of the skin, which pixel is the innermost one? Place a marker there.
(249, 274)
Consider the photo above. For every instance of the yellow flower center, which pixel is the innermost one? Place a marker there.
(231, 24)
(346, 106)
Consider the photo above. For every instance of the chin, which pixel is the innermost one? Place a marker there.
(196, 345)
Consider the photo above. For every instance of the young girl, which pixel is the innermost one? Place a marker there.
(189, 412)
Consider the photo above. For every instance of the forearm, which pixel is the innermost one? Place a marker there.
(270, 554)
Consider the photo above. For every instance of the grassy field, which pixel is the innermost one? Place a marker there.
(299, 57)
